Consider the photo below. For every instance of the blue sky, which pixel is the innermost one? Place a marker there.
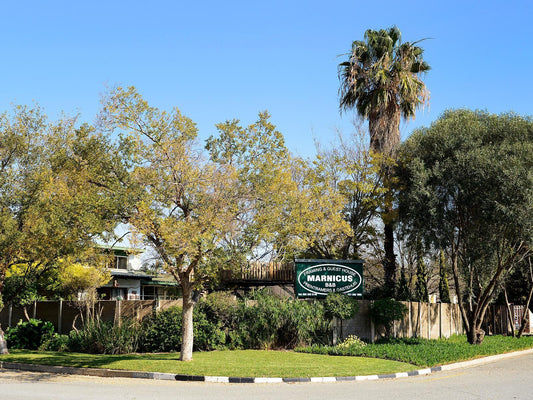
(223, 60)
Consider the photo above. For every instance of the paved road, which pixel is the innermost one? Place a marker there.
(506, 379)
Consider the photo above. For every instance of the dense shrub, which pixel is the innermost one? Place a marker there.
(55, 343)
(274, 322)
(161, 331)
(106, 338)
(29, 334)
(221, 321)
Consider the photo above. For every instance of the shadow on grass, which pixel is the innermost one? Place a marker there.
(82, 360)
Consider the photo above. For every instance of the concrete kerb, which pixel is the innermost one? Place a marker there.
(112, 373)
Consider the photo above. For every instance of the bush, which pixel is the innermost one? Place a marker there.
(29, 334)
(275, 322)
(161, 331)
(55, 343)
(352, 342)
(100, 337)
(338, 305)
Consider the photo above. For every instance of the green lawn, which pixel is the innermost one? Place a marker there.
(241, 363)
(429, 353)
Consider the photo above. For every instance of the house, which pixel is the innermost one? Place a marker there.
(129, 281)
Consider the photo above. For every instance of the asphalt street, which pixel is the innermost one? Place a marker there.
(511, 378)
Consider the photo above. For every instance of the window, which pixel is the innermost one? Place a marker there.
(121, 262)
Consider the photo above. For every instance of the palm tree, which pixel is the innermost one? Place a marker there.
(381, 80)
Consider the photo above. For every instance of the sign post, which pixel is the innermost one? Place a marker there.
(317, 278)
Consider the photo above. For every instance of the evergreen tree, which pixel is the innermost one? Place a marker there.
(444, 289)
(421, 289)
(403, 292)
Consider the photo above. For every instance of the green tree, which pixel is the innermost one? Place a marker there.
(403, 293)
(44, 213)
(381, 80)
(444, 288)
(349, 173)
(469, 190)
(203, 212)
(421, 286)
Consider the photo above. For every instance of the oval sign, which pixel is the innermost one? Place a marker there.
(325, 278)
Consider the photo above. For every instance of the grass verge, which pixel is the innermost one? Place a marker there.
(240, 363)
(430, 353)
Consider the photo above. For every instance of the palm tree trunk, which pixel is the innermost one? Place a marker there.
(384, 127)
(390, 259)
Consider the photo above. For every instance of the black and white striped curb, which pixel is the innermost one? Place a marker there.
(113, 373)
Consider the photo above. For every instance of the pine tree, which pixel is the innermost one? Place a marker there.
(444, 289)
(403, 292)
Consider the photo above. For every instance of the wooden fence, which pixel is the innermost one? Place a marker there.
(272, 273)
(425, 320)
(65, 314)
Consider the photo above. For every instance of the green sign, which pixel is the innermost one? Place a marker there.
(317, 278)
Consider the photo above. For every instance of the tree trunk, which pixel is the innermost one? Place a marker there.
(509, 311)
(475, 335)
(384, 128)
(525, 316)
(3, 343)
(390, 260)
(187, 331)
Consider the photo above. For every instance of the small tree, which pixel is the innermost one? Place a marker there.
(403, 293)
(341, 306)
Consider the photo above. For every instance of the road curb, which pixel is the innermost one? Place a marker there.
(114, 373)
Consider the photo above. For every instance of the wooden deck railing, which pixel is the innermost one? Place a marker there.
(272, 272)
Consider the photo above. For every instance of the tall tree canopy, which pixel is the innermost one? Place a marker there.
(48, 209)
(468, 189)
(205, 211)
(381, 80)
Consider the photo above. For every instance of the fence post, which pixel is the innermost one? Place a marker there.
(60, 317)
(10, 316)
(372, 329)
(429, 320)
(34, 309)
(440, 320)
(410, 331)
(119, 306)
(450, 306)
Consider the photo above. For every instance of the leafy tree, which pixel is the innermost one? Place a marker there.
(444, 289)
(47, 210)
(350, 174)
(421, 287)
(381, 80)
(469, 190)
(203, 212)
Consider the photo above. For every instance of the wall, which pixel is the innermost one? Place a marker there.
(424, 320)
(65, 314)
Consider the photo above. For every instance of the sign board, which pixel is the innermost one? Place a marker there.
(317, 278)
